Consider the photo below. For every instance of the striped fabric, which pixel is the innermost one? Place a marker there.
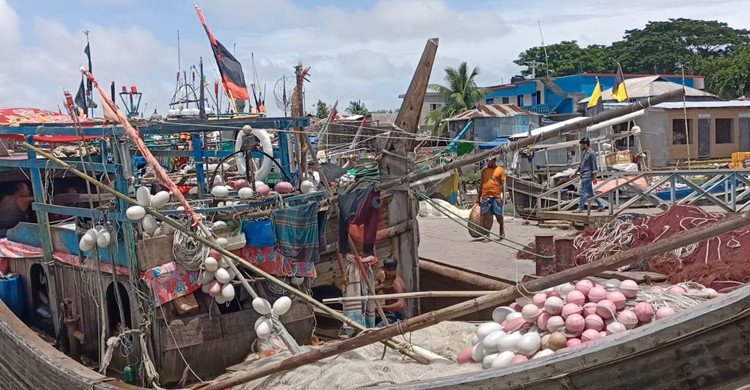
(296, 231)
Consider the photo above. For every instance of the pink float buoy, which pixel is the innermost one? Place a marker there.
(594, 322)
(664, 312)
(465, 356)
(576, 297)
(606, 309)
(539, 299)
(589, 308)
(644, 312)
(570, 308)
(618, 299)
(597, 293)
(575, 341)
(590, 334)
(584, 286)
(575, 324)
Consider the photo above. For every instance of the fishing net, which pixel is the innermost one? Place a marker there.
(363, 367)
(710, 262)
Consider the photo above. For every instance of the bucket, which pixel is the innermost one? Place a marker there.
(11, 293)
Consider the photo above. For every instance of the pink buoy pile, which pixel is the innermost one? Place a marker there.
(566, 317)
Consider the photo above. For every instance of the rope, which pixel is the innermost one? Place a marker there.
(188, 251)
(499, 240)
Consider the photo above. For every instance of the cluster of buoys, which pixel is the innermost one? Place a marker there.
(264, 324)
(565, 317)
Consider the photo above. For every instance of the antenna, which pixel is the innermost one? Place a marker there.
(533, 65)
(546, 57)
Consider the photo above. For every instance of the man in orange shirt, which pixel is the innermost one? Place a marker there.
(491, 196)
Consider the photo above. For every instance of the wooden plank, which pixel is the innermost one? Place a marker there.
(192, 331)
(155, 251)
(638, 276)
(583, 218)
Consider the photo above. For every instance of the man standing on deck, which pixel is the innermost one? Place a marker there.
(491, 195)
(587, 169)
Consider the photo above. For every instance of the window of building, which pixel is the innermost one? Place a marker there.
(519, 100)
(506, 100)
(724, 131)
(489, 101)
(434, 106)
(679, 135)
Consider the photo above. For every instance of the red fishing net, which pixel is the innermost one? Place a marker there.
(709, 262)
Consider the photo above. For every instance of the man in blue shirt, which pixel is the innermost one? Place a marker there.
(587, 169)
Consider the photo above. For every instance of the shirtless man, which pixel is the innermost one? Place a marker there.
(388, 282)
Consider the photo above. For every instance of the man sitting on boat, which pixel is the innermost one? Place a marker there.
(389, 282)
(491, 197)
(587, 169)
(14, 207)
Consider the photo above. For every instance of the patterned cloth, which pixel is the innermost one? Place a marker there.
(170, 281)
(296, 230)
(272, 261)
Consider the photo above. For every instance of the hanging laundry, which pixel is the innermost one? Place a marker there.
(361, 207)
(296, 230)
(353, 309)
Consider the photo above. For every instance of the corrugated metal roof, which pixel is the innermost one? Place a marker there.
(689, 105)
(641, 87)
(490, 111)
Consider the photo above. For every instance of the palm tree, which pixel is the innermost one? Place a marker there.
(461, 93)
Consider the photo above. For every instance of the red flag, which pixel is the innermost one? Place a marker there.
(229, 68)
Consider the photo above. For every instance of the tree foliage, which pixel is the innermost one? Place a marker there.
(322, 110)
(357, 108)
(460, 93)
(710, 48)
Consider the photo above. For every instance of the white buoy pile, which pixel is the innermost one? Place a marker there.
(565, 317)
(216, 275)
(150, 226)
(264, 324)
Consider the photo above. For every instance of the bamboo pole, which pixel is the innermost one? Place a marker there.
(496, 298)
(173, 223)
(410, 295)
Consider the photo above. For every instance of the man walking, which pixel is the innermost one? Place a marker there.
(587, 169)
(491, 196)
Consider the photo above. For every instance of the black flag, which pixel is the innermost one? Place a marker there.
(81, 96)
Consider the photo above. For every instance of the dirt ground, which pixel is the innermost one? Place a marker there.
(444, 240)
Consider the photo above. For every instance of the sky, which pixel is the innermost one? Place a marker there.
(357, 50)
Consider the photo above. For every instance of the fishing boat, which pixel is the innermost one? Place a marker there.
(131, 306)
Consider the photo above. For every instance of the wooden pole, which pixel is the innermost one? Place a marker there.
(173, 223)
(411, 295)
(698, 234)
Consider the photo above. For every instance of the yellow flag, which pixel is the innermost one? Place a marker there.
(619, 92)
(596, 96)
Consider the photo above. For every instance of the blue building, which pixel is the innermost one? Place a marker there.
(558, 97)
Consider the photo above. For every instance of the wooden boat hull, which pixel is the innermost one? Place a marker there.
(703, 347)
(28, 362)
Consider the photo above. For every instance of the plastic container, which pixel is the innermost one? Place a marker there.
(11, 293)
(259, 233)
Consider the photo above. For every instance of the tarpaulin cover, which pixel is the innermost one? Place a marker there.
(709, 262)
(13, 117)
(16, 250)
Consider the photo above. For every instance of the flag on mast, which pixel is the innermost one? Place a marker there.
(229, 68)
(619, 92)
(80, 99)
(596, 96)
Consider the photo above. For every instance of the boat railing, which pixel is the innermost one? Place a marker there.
(729, 189)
